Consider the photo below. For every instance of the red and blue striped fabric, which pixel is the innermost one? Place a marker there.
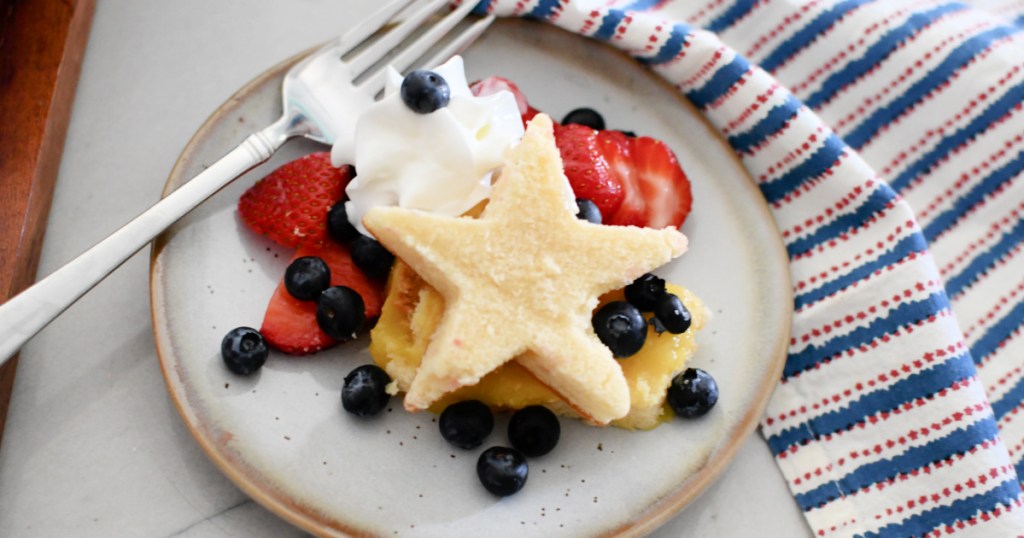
(888, 138)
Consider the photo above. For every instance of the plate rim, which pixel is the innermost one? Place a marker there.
(641, 523)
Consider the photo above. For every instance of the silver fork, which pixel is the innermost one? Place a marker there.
(310, 103)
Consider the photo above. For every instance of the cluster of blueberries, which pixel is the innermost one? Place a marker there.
(340, 311)
(532, 431)
(621, 326)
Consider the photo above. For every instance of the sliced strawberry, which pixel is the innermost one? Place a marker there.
(663, 184)
(290, 324)
(587, 169)
(492, 85)
(290, 205)
(656, 192)
(617, 149)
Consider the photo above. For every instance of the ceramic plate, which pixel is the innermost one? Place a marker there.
(282, 436)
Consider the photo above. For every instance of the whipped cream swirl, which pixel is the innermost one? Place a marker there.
(441, 162)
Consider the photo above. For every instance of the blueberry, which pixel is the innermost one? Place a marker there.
(307, 277)
(588, 211)
(425, 91)
(620, 326)
(502, 470)
(585, 116)
(645, 292)
(244, 350)
(534, 430)
(692, 393)
(364, 393)
(370, 256)
(340, 312)
(672, 314)
(466, 424)
(629, 134)
(338, 225)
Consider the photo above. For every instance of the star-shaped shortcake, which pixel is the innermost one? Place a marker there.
(522, 281)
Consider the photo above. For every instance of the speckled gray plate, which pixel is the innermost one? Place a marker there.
(281, 434)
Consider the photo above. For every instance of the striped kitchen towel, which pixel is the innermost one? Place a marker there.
(888, 138)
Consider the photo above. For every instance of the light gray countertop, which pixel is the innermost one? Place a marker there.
(94, 446)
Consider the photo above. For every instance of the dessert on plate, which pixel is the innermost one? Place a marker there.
(507, 258)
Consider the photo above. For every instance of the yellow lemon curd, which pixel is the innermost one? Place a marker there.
(413, 309)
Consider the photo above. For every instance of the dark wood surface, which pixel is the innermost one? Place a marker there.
(42, 43)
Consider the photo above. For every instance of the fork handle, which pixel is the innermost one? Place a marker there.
(31, 310)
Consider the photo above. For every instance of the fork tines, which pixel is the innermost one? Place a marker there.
(408, 33)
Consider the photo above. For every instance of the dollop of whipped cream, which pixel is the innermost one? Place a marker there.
(441, 162)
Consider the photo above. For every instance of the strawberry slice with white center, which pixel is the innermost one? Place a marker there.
(656, 192)
(617, 149)
(662, 183)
